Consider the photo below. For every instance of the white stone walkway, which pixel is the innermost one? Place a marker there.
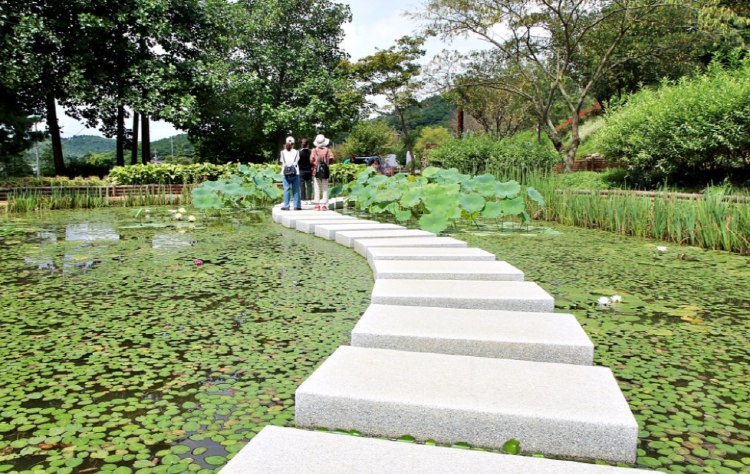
(456, 347)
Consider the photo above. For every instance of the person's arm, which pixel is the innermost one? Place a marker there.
(330, 156)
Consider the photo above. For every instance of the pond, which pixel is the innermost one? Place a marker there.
(678, 343)
(121, 354)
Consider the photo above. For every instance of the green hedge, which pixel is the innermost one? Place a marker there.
(692, 128)
(482, 153)
(192, 174)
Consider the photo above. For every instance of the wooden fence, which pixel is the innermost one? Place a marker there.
(591, 164)
(105, 191)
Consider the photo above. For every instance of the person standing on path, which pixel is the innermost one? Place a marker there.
(321, 159)
(305, 171)
(290, 169)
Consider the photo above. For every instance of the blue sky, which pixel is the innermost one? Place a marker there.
(375, 24)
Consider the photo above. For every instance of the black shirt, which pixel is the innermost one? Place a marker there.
(304, 160)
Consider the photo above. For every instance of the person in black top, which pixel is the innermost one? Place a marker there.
(305, 171)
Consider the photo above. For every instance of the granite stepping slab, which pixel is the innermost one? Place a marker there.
(559, 410)
(427, 253)
(277, 450)
(308, 226)
(467, 294)
(278, 214)
(328, 231)
(539, 337)
(291, 219)
(362, 245)
(438, 270)
(348, 237)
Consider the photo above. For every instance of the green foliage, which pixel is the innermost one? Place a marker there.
(690, 129)
(343, 173)
(248, 188)
(438, 197)
(369, 138)
(481, 152)
(430, 136)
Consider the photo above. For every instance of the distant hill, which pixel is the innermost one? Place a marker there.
(78, 146)
(434, 111)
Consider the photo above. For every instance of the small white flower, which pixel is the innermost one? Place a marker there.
(661, 249)
(616, 299)
(181, 210)
(191, 218)
(603, 302)
(178, 216)
(172, 211)
(147, 211)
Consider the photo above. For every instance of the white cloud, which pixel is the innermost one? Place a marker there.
(70, 127)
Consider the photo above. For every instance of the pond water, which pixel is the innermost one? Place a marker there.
(678, 343)
(120, 354)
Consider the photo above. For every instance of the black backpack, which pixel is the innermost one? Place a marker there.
(322, 171)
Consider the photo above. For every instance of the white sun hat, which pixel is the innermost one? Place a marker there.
(321, 140)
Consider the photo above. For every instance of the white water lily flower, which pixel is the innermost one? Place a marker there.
(191, 218)
(147, 211)
(603, 301)
(616, 299)
(172, 211)
(181, 210)
(178, 216)
(661, 249)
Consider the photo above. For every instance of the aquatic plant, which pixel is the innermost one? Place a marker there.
(438, 197)
(248, 188)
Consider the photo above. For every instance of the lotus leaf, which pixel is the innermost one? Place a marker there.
(492, 209)
(512, 207)
(433, 223)
(471, 203)
(403, 216)
(507, 190)
(535, 196)
(410, 198)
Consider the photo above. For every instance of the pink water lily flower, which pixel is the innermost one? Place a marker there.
(199, 262)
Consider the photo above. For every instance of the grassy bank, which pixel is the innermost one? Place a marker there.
(708, 222)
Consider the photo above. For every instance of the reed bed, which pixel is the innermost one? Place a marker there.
(24, 202)
(709, 221)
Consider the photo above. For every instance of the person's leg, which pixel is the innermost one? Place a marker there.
(306, 185)
(324, 185)
(297, 197)
(286, 193)
(316, 184)
(302, 187)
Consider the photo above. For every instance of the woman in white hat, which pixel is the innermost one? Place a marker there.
(290, 169)
(321, 158)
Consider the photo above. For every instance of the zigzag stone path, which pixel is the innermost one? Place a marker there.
(454, 360)
(278, 450)
(540, 337)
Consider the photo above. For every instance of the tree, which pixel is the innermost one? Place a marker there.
(497, 111)
(545, 43)
(277, 73)
(430, 136)
(394, 72)
(370, 138)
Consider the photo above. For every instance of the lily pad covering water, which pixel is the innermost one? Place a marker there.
(678, 343)
(121, 355)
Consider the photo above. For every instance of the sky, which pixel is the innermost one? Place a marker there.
(375, 24)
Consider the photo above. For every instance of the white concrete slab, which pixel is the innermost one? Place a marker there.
(439, 270)
(492, 295)
(348, 237)
(308, 225)
(290, 220)
(539, 337)
(329, 231)
(277, 450)
(362, 245)
(558, 409)
(428, 253)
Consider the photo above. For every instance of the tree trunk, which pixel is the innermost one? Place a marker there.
(146, 142)
(459, 123)
(54, 131)
(576, 140)
(120, 145)
(408, 141)
(134, 151)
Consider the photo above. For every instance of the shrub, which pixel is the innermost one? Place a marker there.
(428, 137)
(480, 153)
(369, 138)
(697, 128)
(590, 180)
(584, 115)
(344, 173)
